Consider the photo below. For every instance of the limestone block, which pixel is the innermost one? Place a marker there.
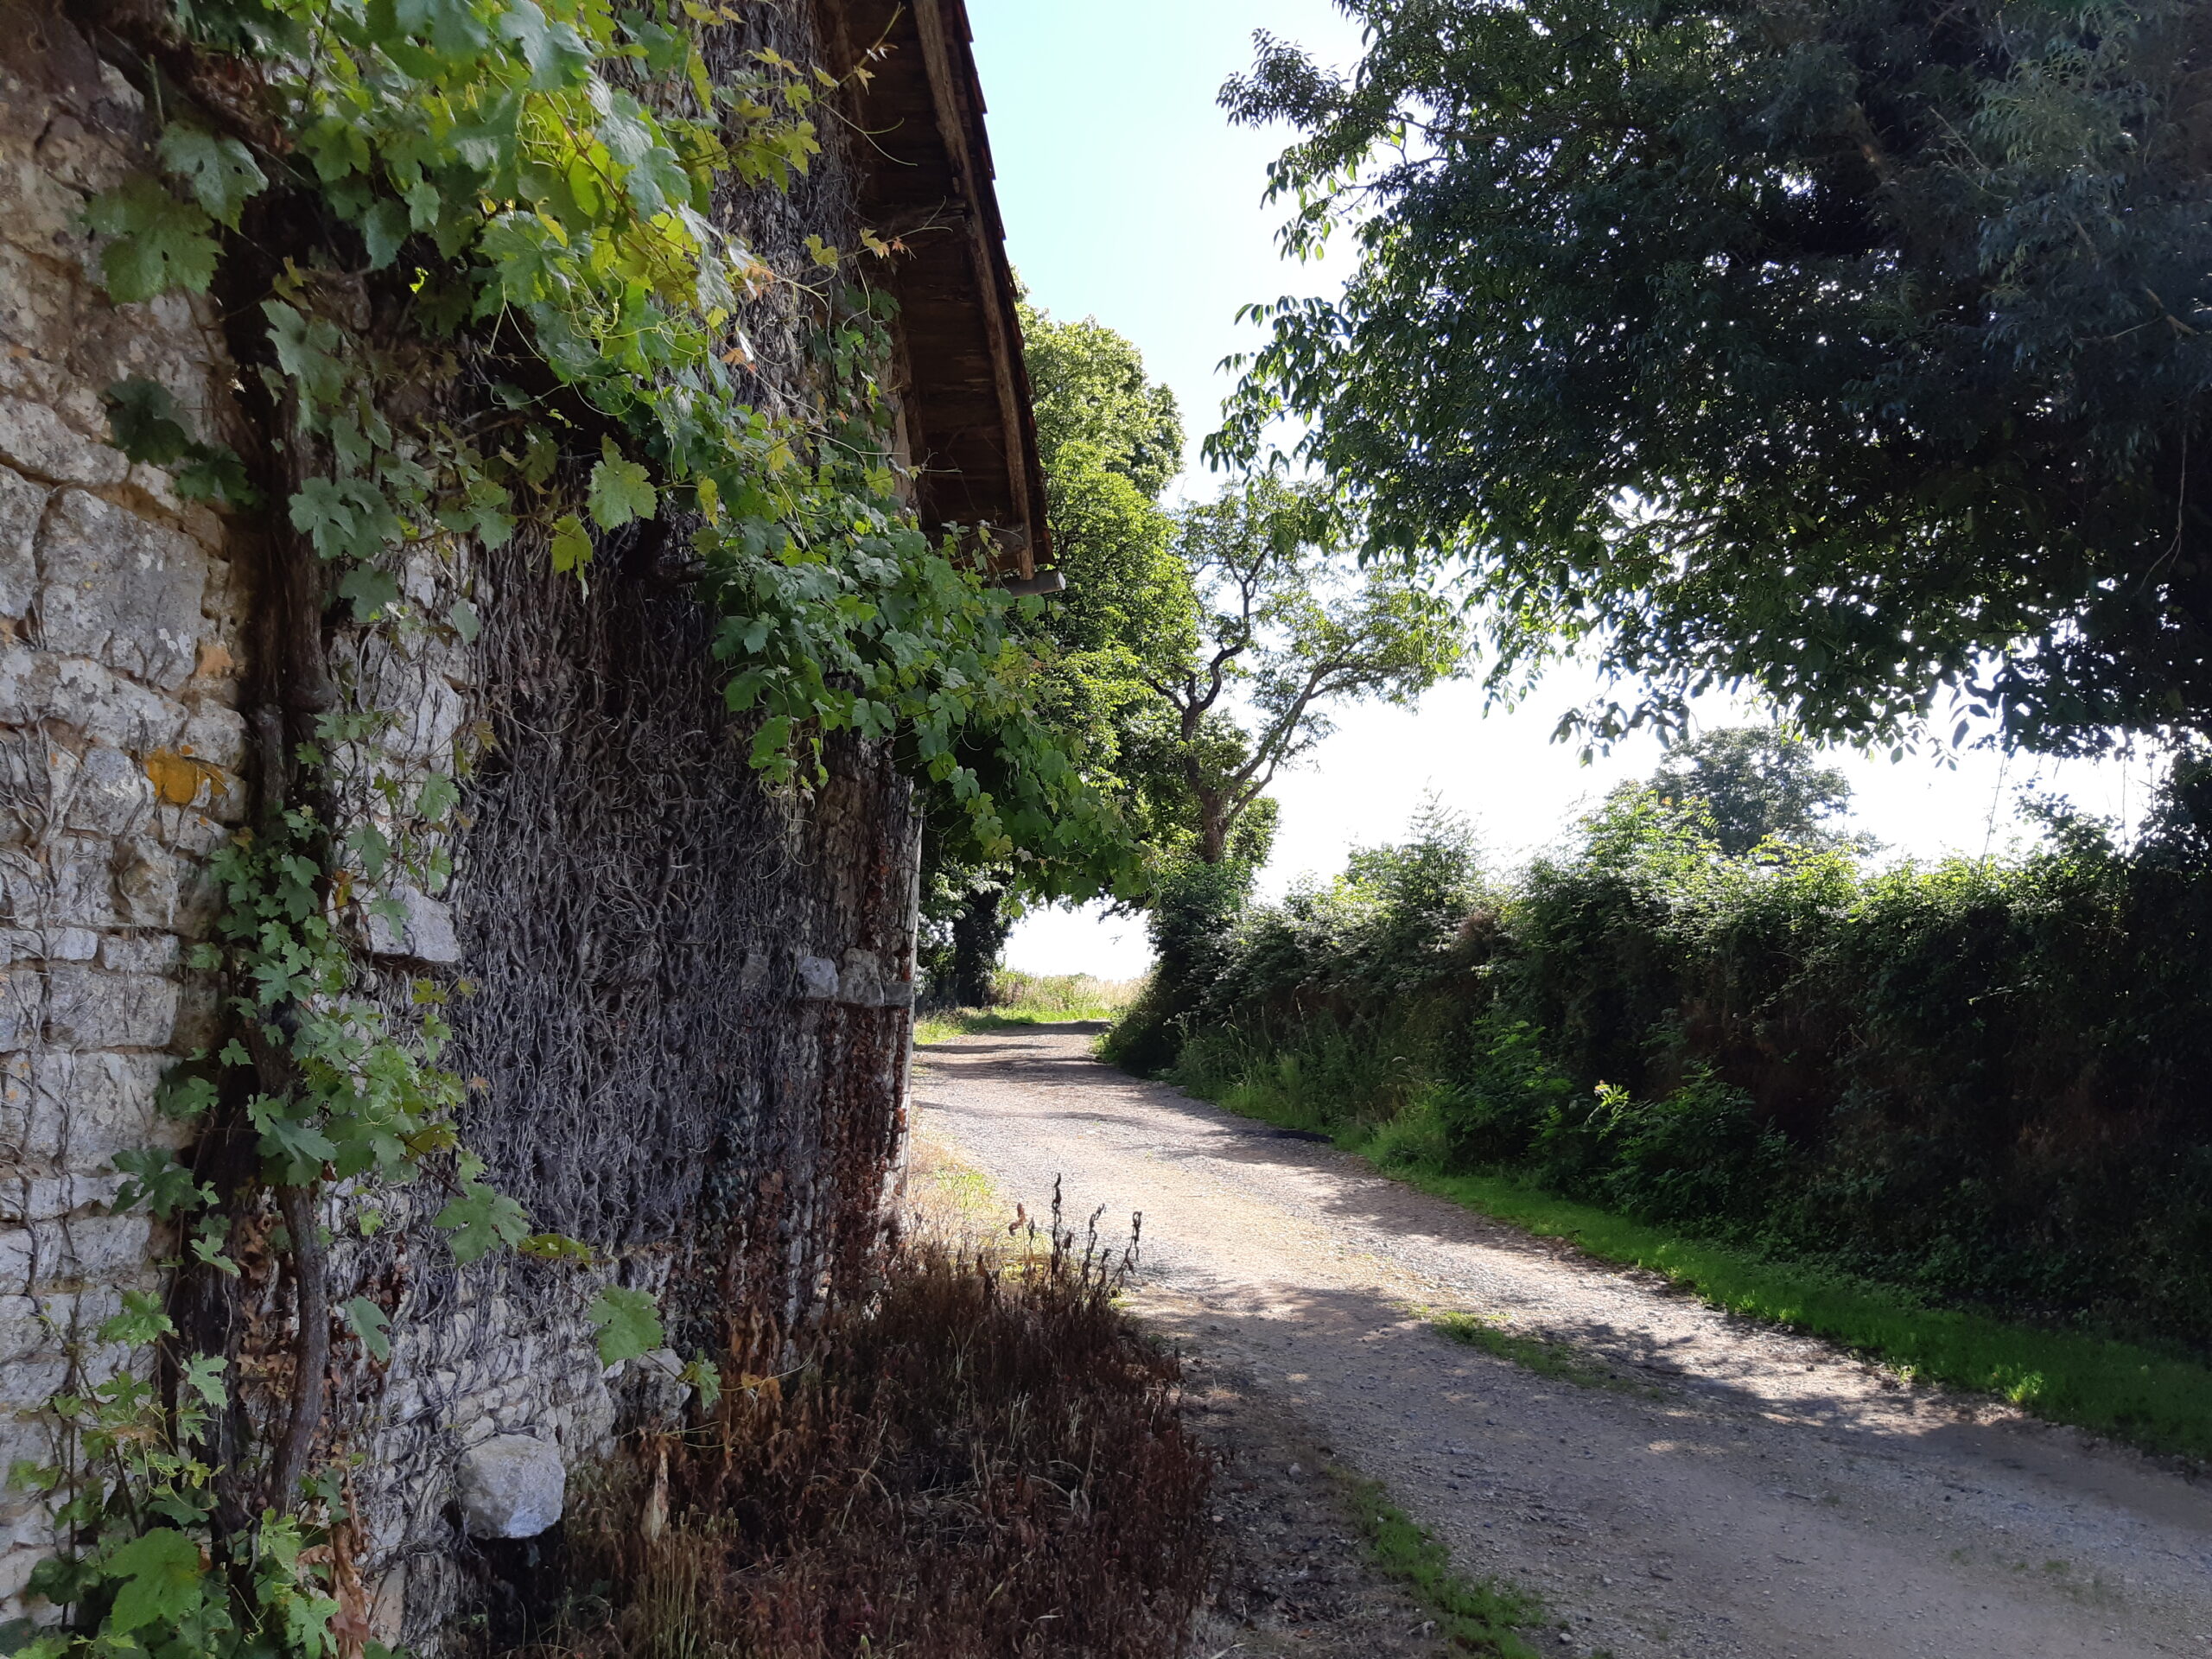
(108, 792)
(96, 1249)
(21, 504)
(37, 686)
(216, 736)
(69, 944)
(36, 441)
(121, 589)
(68, 883)
(151, 953)
(511, 1486)
(22, 1007)
(861, 980)
(146, 882)
(82, 1110)
(817, 977)
(86, 1008)
(425, 931)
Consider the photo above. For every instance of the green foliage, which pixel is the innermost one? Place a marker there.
(1973, 1081)
(1758, 782)
(1091, 393)
(1286, 632)
(629, 1324)
(142, 424)
(1841, 349)
(506, 192)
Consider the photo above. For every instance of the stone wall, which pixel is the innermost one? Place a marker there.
(690, 1001)
(119, 742)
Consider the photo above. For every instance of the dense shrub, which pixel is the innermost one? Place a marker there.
(1980, 1078)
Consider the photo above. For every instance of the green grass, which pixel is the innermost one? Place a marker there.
(1479, 1617)
(1020, 999)
(946, 1024)
(2154, 1401)
(1556, 1360)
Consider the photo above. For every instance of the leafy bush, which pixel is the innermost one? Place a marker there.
(1978, 1079)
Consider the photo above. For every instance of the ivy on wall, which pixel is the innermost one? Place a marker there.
(474, 248)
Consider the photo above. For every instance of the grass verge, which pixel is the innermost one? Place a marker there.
(1474, 1616)
(2151, 1400)
(1552, 1359)
(1019, 999)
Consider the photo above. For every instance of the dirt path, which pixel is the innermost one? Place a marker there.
(1730, 1491)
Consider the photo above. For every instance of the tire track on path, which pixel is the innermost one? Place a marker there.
(1744, 1492)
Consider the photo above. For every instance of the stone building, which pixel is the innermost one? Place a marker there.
(690, 1018)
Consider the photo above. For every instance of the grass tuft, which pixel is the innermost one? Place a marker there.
(1556, 1360)
(1475, 1616)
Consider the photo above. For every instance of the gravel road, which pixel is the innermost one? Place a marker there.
(1728, 1489)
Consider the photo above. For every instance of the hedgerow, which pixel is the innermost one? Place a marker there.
(1976, 1079)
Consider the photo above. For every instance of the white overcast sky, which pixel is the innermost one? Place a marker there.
(1128, 197)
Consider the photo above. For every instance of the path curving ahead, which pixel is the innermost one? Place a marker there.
(1734, 1492)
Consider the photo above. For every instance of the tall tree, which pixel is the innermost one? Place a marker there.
(1289, 633)
(1850, 348)
(1110, 440)
(1756, 783)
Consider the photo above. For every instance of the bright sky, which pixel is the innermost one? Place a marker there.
(1127, 196)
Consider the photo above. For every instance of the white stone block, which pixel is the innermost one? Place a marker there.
(36, 441)
(511, 1486)
(122, 589)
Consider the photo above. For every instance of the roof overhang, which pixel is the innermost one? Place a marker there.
(927, 184)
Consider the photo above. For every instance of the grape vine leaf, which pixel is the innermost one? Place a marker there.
(481, 1221)
(629, 1324)
(221, 171)
(620, 490)
(159, 242)
(161, 1581)
(372, 1325)
(142, 421)
(571, 545)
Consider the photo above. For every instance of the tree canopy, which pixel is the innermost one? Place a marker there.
(1847, 349)
(1289, 633)
(1756, 783)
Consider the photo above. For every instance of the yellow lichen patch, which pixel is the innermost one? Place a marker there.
(177, 777)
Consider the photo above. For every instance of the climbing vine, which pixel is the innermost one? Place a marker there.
(470, 254)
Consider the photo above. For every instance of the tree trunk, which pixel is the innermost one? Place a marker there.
(978, 937)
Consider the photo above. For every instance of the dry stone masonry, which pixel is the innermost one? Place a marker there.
(120, 748)
(683, 1001)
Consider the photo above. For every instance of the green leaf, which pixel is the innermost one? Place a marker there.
(142, 1320)
(628, 1322)
(142, 421)
(465, 622)
(371, 590)
(213, 472)
(440, 795)
(220, 171)
(705, 1376)
(308, 350)
(372, 1325)
(571, 545)
(620, 491)
(481, 1221)
(159, 242)
(384, 227)
(161, 1581)
(156, 1180)
(203, 1375)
